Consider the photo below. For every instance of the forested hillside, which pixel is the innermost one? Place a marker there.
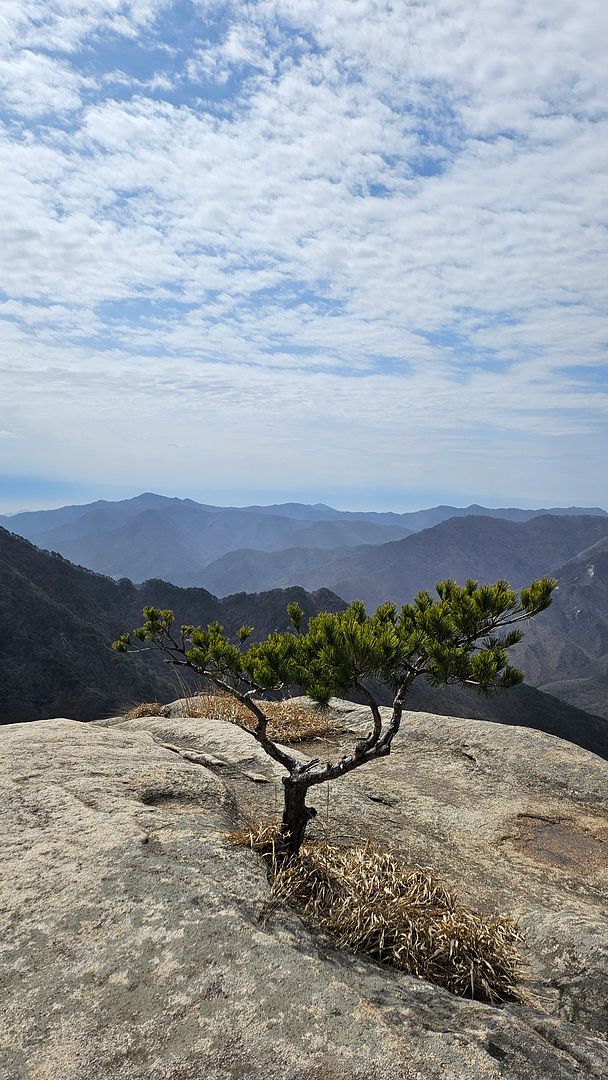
(58, 622)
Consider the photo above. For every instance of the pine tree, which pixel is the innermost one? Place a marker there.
(460, 636)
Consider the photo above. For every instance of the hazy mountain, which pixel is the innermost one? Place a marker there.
(58, 621)
(484, 548)
(419, 519)
(304, 511)
(250, 570)
(452, 549)
(425, 519)
(153, 535)
(179, 540)
(146, 545)
(175, 538)
(566, 651)
(33, 523)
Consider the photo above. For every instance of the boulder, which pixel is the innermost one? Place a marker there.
(139, 944)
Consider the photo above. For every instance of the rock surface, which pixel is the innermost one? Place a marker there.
(137, 944)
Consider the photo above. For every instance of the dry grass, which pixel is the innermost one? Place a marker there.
(147, 708)
(264, 839)
(290, 722)
(369, 901)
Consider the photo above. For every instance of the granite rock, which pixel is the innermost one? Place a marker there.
(137, 944)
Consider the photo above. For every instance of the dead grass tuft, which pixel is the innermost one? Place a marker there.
(290, 722)
(147, 708)
(369, 901)
(265, 839)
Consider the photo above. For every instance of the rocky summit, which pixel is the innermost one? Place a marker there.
(138, 944)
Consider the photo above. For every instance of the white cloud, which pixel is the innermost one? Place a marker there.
(380, 212)
(63, 25)
(32, 84)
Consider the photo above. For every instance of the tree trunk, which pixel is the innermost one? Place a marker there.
(296, 814)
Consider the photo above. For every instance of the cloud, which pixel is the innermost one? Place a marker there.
(373, 224)
(33, 85)
(63, 25)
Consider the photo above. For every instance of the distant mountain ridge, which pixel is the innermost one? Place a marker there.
(173, 539)
(359, 555)
(37, 521)
(484, 548)
(178, 539)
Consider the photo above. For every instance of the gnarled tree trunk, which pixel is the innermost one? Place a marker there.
(296, 814)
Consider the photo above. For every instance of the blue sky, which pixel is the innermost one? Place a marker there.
(350, 252)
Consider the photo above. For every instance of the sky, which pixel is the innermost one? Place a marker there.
(351, 252)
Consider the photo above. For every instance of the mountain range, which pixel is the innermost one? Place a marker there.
(179, 540)
(174, 539)
(168, 543)
(485, 548)
(57, 622)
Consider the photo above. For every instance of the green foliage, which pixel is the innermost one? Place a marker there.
(296, 614)
(462, 635)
